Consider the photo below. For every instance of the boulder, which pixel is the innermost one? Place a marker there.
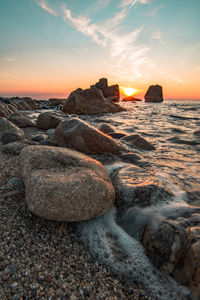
(170, 235)
(65, 185)
(14, 148)
(135, 140)
(154, 94)
(110, 92)
(39, 137)
(134, 186)
(90, 101)
(131, 99)
(56, 101)
(83, 137)
(21, 121)
(7, 109)
(25, 103)
(8, 127)
(106, 128)
(50, 119)
(9, 137)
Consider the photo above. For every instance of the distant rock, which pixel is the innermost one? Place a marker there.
(83, 137)
(56, 101)
(154, 94)
(65, 185)
(24, 103)
(131, 99)
(135, 140)
(111, 92)
(7, 109)
(90, 101)
(50, 119)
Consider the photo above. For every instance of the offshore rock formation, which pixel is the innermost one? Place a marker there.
(131, 99)
(65, 185)
(111, 92)
(154, 94)
(90, 101)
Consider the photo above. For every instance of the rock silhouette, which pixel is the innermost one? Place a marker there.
(154, 94)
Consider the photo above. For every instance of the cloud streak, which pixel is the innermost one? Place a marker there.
(43, 4)
(124, 56)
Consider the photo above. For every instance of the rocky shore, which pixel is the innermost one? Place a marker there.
(60, 189)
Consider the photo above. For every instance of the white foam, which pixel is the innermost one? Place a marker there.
(108, 242)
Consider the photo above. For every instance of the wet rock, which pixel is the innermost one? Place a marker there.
(21, 121)
(135, 140)
(116, 135)
(48, 142)
(15, 183)
(134, 186)
(49, 119)
(8, 129)
(90, 101)
(39, 137)
(154, 94)
(106, 128)
(65, 185)
(80, 135)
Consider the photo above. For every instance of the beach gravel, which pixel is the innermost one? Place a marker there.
(42, 259)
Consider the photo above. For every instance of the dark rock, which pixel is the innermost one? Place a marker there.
(111, 92)
(137, 141)
(56, 101)
(48, 143)
(154, 94)
(50, 119)
(16, 183)
(14, 148)
(10, 137)
(117, 135)
(8, 127)
(90, 101)
(134, 186)
(21, 121)
(83, 137)
(39, 137)
(131, 99)
(106, 128)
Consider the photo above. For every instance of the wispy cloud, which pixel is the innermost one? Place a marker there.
(125, 56)
(156, 35)
(153, 12)
(43, 4)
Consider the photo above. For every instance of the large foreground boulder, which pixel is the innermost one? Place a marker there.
(50, 119)
(64, 185)
(90, 101)
(83, 137)
(154, 94)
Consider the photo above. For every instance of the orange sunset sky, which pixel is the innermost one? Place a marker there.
(49, 48)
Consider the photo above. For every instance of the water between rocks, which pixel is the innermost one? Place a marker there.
(172, 127)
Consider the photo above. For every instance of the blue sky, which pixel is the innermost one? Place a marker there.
(50, 47)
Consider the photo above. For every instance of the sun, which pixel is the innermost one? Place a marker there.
(129, 91)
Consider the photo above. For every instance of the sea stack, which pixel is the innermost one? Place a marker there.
(154, 94)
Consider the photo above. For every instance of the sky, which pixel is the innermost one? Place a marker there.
(48, 48)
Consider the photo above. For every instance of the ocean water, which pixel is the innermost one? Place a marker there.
(172, 127)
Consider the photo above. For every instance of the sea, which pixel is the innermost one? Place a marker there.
(173, 127)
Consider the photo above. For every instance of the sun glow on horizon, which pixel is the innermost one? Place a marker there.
(129, 91)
